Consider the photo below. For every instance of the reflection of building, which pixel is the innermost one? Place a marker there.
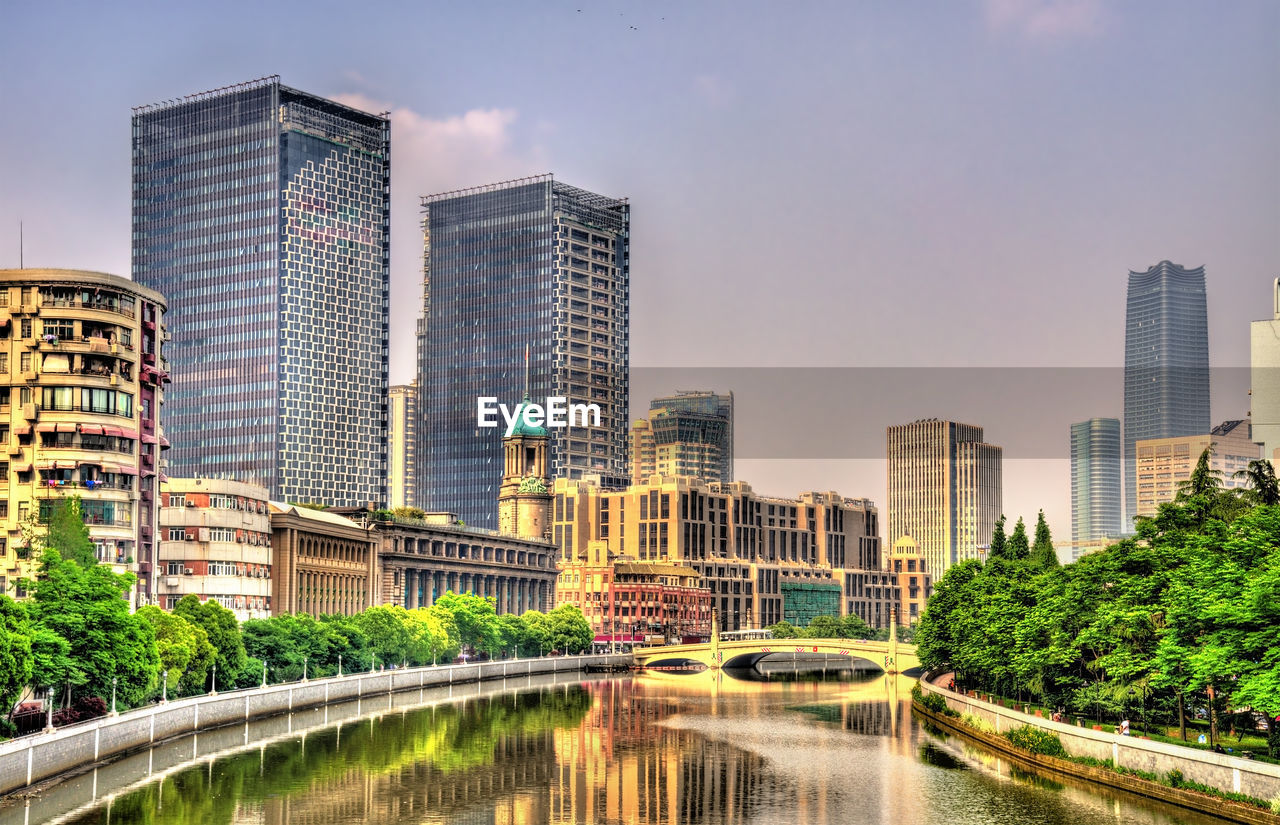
(81, 376)
(321, 562)
(915, 584)
(215, 542)
(944, 489)
(628, 600)
(1163, 463)
(529, 263)
(263, 213)
(402, 438)
(1166, 363)
(1096, 473)
(1264, 416)
(687, 434)
(745, 546)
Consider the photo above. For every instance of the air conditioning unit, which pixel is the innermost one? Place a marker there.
(190, 537)
(188, 571)
(191, 504)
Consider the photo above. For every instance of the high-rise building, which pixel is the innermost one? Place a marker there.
(262, 212)
(402, 444)
(944, 489)
(1166, 362)
(82, 371)
(1162, 464)
(1096, 491)
(1264, 407)
(530, 263)
(686, 434)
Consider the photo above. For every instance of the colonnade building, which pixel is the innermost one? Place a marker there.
(754, 552)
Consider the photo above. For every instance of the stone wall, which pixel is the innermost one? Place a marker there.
(1226, 773)
(33, 759)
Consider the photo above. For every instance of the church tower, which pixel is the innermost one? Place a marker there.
(524, 499)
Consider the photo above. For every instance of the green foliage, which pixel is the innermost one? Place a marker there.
(1042, 552)
(784, 630)
(220, 625)
(86, 609)
(977, 723)
(184, 648)
(1036, 740)
(408, 512)
(310, 505)
(68, 534)
(569, 630)
(476, 619)
(999, 543)
(1017, 549)
(16, 661)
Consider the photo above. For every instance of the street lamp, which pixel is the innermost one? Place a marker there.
(114, 680)
(164, 689)
(304, 668)
(213, 681)
(339, 665)
(48, 704)
(264, 674)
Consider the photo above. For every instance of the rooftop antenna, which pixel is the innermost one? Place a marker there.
(21, 252)
(526, 371)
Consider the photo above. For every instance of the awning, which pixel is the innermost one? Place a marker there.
(148, 438)
(129, 471)
(114, 432)
(46, 427)
(148, 473)
(64, 427)
(22, 468)
(163, 477)
(64, 465)
(129, 434)
(91, 429)
(110, 468)
(45, 465)
(164, 442)
(22, 429)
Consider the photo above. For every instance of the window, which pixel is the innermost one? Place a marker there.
(24, 362)
(177, 500)
(177, 534)
(174, 568)
(222, 534)
(57, 398)
(26, 328)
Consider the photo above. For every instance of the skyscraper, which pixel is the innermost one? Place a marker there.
(1166, 362)
(689, 433)
(944, 487)
(1264, 405)
(262, 212)
(528, 263)
(402, 438)
(1096, 500)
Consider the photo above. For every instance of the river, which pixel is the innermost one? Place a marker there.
(660, 747)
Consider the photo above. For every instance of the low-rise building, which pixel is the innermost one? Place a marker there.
(1162, 464)
(322, 562)
(752, 552)
(914, 582)
(215, 543)
(628, 602)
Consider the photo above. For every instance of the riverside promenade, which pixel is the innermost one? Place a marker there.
(31, 760)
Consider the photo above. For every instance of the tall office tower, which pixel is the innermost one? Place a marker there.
(689, 433)
(944, 488)
(1264, 406)
(1095, 480)
(402, 438)
(528, 263)
(1166, 362)
(263, 214)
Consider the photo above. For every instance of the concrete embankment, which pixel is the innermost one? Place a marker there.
(1225, 773)
(34, 759)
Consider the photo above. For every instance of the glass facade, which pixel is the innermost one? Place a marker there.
(531, 263)
(708, 419)
(1095, 480)
(1166, 362)
(263, 214)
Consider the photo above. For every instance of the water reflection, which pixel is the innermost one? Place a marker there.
(656, 749)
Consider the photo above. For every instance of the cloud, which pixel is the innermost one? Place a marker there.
(1045, 18)
(431, 155)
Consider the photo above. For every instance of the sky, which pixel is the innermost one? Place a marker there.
(834, 186)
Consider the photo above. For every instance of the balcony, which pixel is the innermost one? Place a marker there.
(51, 303)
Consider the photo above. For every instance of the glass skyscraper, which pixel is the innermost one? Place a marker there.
(529, 263)
(262, 213)
(1166, 362)
(1095, 480)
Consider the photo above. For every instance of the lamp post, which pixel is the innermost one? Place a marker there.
(164, 689)
(339, 665)
(304, 668)
(213, 681)
(114, 680)
(373, 663)
(48, 705)
(264, 675)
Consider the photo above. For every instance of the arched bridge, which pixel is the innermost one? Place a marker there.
(892, 657)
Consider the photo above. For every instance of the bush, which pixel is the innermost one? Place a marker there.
(1175, 778)
(978, 723)
(1036, 740)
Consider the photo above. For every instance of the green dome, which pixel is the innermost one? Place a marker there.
(523, 429)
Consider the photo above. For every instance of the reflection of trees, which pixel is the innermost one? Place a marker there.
(449, 752)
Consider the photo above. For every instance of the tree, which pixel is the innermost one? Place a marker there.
(538, 630)
(1017, 548)
(68, 534)
(223, 631)
(570, 632)
(387, 631)
(15, 652)
(87, 609)
(408, 512)
(784, 630)
(998, 541)
(823, 627)
(1263, 487)
(476, 618)
(1042, 552)
(184, 648)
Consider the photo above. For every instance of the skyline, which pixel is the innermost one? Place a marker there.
(992, 142)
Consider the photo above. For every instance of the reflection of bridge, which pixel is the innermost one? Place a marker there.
(889, 656)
